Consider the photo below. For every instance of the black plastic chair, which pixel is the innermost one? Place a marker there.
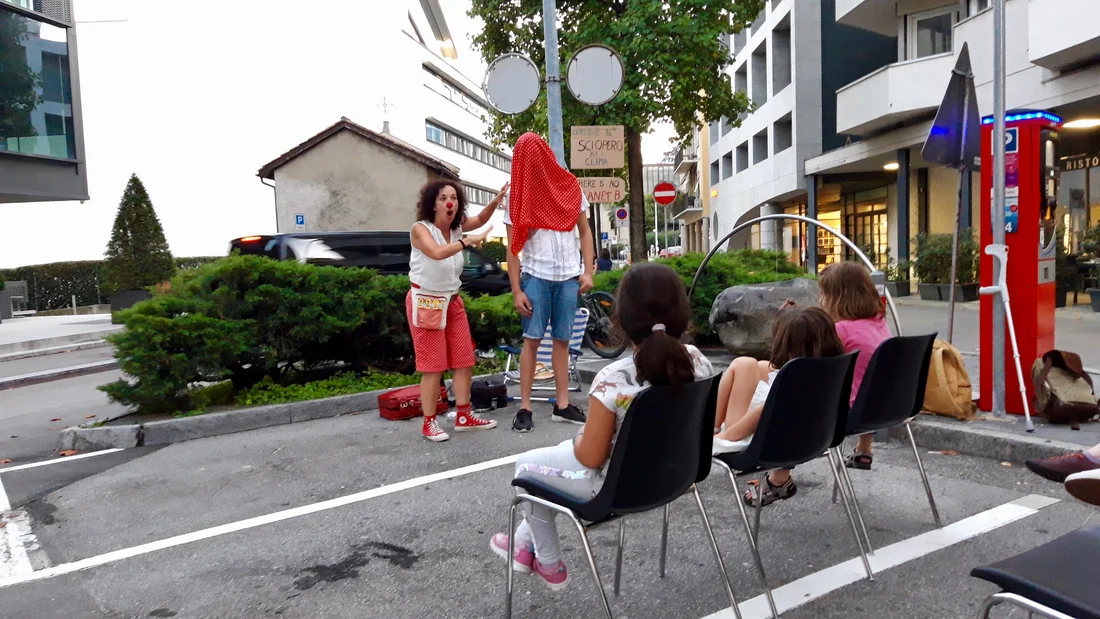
(660, 453)
(1055, 580)
(891, 394)
(803, 418)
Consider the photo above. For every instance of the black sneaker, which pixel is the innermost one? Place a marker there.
(569, 414)
(522, 421)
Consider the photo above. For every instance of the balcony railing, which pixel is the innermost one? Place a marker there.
(685, 204)
(895, 93)
(685, 159)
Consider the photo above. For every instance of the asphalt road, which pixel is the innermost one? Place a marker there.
(420, 548)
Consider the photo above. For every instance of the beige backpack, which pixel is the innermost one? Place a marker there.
(948, 391)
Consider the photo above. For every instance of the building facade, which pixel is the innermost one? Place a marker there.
(41, 129)
(349, 178)
(1052, 64)
(789, 62)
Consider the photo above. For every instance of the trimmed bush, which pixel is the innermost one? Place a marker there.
(249, 319)
(933, 263)
(495, 250)
(725, 269)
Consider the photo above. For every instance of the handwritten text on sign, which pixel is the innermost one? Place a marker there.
(603, 190)
(597, 148)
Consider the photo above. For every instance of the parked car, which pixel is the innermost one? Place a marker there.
(669, 252)
(386, 252)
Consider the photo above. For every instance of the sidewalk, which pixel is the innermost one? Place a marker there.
(37, 333)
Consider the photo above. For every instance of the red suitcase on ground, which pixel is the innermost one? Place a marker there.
(404, 403)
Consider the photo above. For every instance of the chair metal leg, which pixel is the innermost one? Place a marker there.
(1011, 599)
(592, 564)
(924, 478)
(619, 554)
(847, 479)
(851, 520)
(511, 530)
(752, 544)
(664, 540)
(717, 553)
(761, 480)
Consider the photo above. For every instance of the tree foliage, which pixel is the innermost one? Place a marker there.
(674, 54)
(137, 255)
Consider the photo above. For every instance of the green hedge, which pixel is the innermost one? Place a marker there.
(725, 269)
(52, 286)
(248, 318)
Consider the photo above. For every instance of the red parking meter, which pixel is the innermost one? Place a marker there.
(1031, 192)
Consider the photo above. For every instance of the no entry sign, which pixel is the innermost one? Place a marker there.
(664, 193)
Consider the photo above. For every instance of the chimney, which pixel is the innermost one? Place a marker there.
(385, 127)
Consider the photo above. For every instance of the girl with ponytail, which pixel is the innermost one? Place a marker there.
(652, 310)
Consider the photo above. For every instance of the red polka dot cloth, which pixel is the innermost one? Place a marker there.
(545, 196)
(439, 350)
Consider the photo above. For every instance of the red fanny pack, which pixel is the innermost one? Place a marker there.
(404, 403)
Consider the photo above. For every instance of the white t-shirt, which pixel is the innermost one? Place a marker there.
(551, 255)
(616, 385)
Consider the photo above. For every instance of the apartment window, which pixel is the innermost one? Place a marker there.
(715, 132)
(740, 39)
(783, 133)
(726, 126)
(727, 165)
(477, 195)
(775, 4)
(741, 78)
(466, 146)
(977, 6)
(760, 147)
(715, 172)
(35, 117)
(781, 55)
(930, 33)
(758, 22)
(760, 75)
(444, 88)
(743, 157)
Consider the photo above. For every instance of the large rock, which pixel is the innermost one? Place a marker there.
(742, 315)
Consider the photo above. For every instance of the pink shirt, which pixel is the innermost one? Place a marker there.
(863, 335)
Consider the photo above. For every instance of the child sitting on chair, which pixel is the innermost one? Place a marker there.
(653, 312)
(743, 390)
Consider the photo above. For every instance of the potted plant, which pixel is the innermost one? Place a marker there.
(897, 278)
(1065, 275)
(1090, 251)
(933, 267)
(137, 256)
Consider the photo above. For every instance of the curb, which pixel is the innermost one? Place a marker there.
(42, 352)
(45, 376)
(170, 431)
(1016, 447)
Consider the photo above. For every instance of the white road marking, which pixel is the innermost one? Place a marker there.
(241, 525)
(62, 460)
(819, 584)
(15, 532)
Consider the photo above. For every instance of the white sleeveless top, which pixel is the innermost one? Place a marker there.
(436, 275)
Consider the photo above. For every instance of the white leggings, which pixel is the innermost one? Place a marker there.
(556, 466)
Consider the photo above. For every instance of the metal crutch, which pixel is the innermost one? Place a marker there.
(999, 252)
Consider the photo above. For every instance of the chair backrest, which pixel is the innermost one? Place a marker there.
(660, 448)
(576, 338)
(805, 411)
(893, 386)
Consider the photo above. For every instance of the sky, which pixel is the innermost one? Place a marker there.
(195, 102)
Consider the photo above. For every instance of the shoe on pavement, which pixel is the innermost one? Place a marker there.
(569, 414)
(522, 559)
(1060, 467)
(522, 421)
(1085, 486)
(432, 431)
(466, 422)
(555, 575)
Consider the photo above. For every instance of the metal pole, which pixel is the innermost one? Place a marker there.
(553, 80)
(656, 230)
(998, 206)
(955, 255)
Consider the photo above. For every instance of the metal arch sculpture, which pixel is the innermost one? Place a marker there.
(813, 222)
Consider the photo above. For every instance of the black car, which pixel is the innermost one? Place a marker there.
(386, 252)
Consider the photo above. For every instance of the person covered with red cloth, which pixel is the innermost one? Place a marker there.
(546, 212)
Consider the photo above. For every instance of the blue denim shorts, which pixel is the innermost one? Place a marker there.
(551, 302)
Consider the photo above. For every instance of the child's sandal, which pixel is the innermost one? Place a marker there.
(771, 494)
(859, 461)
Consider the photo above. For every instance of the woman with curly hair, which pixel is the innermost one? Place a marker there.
(437, 316)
